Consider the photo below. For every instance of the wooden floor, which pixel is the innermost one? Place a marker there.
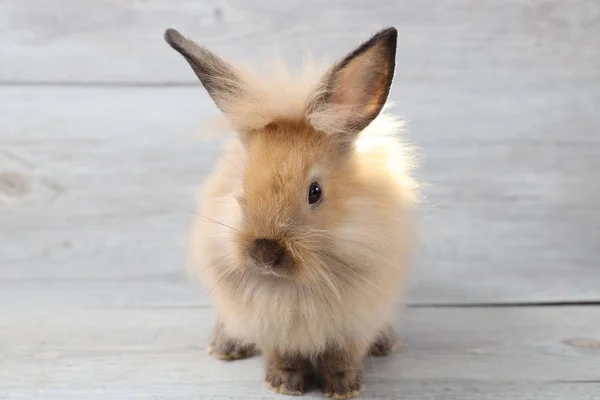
(99, 166)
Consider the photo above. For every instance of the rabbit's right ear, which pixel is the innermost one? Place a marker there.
(220, 80)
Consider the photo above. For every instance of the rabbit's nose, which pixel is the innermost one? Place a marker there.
(269, 253)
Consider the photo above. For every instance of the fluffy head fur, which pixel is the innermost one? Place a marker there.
(349, 252)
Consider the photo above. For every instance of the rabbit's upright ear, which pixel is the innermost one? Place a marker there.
(219, 79)
(356, 88)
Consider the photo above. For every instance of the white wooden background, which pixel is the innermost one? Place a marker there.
(99, 166)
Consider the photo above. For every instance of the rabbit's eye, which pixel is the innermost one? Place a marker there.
(314, 193)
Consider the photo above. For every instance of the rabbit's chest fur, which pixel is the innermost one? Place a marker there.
(288, 317)
(283, 314)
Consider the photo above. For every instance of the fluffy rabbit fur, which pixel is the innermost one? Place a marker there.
(304, 230)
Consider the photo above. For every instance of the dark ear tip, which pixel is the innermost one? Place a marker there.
(390, 31)
(389, 34)
(173, 37)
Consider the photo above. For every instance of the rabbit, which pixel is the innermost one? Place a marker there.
(305, 227)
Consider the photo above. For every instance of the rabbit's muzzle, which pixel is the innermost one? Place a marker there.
(269, 254)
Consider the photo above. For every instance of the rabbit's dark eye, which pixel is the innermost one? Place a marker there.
(314, 193)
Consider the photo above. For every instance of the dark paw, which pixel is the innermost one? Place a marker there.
(384, 347)
(343, 384)
(225, 348)
(385, 344)
(231, 350)
(287, 381)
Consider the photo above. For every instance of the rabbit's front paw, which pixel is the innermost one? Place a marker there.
(342, 373)
(228, 349)
(342, 384)
(291, 382)
(288, 374)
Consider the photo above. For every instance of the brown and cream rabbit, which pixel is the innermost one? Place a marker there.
(304, 230)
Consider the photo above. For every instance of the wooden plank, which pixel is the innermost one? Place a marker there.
(100, 183)
(121, 41)
(509, 202)
(429, 390)
(161, 353)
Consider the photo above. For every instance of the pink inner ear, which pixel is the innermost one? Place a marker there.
(348, 87)
(355, 90)
(360, 83)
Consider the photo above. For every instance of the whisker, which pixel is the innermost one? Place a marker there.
(230, 162)
(326, 279)
(321, 291)
(251, 289)
(365, 279)
(346, 268)
(225, 274)
(239, 155)
(236, 286)
(216, 222)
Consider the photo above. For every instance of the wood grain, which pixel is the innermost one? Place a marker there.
(108, 178)
(430, 390)
(161, 353)
(121, 41)
(99, 167)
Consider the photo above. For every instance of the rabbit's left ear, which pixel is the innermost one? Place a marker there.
(356, 88)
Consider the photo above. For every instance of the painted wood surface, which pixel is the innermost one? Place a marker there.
(160, 353)
(99, 166)
(121, 40)
(99, 183)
